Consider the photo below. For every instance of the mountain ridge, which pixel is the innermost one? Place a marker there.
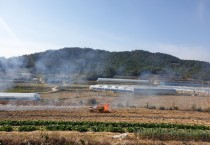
(101, 63)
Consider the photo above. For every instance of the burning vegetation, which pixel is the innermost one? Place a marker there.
(101, 108)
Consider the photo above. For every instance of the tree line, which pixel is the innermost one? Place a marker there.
(100, 63)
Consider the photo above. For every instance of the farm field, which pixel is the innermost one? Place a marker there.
(72, 104)
(116, 115)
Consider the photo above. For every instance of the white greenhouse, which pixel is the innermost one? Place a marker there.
(149, 90)
(19, 96)
(111, 80)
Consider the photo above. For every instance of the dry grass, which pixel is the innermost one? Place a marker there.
(64, 137)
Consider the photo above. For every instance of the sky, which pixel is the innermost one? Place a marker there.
(177, 27)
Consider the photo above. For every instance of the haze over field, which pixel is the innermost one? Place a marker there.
(179, 28)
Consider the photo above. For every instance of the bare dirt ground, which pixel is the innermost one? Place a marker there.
(72, 104)
(81, 96)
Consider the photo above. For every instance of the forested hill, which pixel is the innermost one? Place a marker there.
(99, 63)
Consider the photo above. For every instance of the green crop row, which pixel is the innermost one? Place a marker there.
(27, 128)
(85, 128)
(130, 126)
(20, 128)
(173, 134)
(6, 128)
(148, 133)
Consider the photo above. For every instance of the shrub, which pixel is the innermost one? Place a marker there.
(175, 107)
(199, 109)
(152, 107)
(207, 109)
(162, 108)
(193, 107)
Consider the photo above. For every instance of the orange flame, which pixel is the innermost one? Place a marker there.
(106, 107)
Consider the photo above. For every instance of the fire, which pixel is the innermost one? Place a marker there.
(106, 108)
(101, 108)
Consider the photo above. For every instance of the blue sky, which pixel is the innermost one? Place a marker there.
(176, 27)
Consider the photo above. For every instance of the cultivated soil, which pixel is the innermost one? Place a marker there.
(72, 103)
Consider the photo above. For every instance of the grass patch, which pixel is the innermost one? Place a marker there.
(27, 88)
(173, 134)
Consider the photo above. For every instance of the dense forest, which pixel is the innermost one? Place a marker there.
(99, 63)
